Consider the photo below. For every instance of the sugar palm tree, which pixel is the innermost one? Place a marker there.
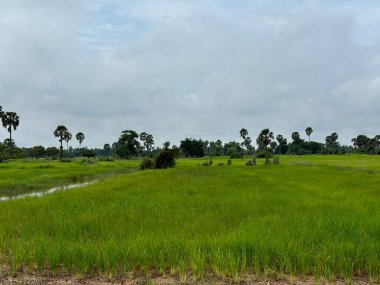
(67, 136)
(59, 132)
(80, 137)
(243, 133)
(309, 131)
(10, 120)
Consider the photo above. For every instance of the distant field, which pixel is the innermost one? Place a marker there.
(310, 215)
(24, 176)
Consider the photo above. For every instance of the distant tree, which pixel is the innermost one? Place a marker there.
(332, 143)
(147, 140)
(282, 146)
(67, 138)
(309, 131)
(107, 148)
(365, 144)
(80, 137)
(127, 145)
(88, 153)
(216, 148)
(52, 151)
(296, 138)
(38, 151)
(264, 139)
(273, 145)
(59, 132)
(243, 133)
(166, 145)
(247, 144)
(192, 147)
(10, 120)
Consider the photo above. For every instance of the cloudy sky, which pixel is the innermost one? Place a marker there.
(181, 68)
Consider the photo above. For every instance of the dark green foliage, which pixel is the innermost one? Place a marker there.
(146, 163)
(192, 147)
(88, 153)
(251, 162)
(165, 159)
(52, 151)
(365, 144)
(60, 132)
(229, 162)
(264, 139)
(38, 151)
(127, 146)
(234, 150)
(264, 153)
(276, 160)
(216, 148)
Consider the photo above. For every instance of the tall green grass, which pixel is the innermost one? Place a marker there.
(305, 216)
(39, 174)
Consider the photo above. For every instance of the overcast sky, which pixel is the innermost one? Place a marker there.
(200, 69)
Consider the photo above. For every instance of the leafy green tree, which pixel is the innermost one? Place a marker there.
(332, 144)
(127, 145)
(59, 132)
(216, 148)
(10, 120)
(148, 142)
(365, 144)
(67, 138)
(296, 138)
(80, 137)
(52, 151)
(264, 139)
(38, 151)
(282, 146)
(192, 147)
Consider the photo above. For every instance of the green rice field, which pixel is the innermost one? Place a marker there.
(308, 216)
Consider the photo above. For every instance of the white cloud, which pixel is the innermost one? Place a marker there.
(187, 69)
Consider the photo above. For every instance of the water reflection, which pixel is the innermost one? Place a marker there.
(42, 193)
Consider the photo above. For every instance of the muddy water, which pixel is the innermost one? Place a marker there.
(50, 191)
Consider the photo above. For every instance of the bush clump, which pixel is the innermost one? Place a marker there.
(88, 153)
(276, 160)
(264, 154)
(229, 162)
(146, 163)
(165, 159)
(251, 162)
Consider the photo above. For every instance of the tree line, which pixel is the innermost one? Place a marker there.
(131, 144)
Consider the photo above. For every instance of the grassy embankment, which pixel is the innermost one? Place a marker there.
(314, 215)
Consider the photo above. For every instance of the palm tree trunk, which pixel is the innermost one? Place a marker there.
(61, 150)
(10, 142)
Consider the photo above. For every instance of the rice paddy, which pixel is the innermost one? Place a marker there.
(309, 216)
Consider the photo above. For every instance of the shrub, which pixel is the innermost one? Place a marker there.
(276, 160)
(220, 164)
(251, 162)
(165, 159)
(229, 162)
(88, 153)
(264, 154)
(146, 163)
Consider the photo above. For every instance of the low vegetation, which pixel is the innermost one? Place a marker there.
(314, 215)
